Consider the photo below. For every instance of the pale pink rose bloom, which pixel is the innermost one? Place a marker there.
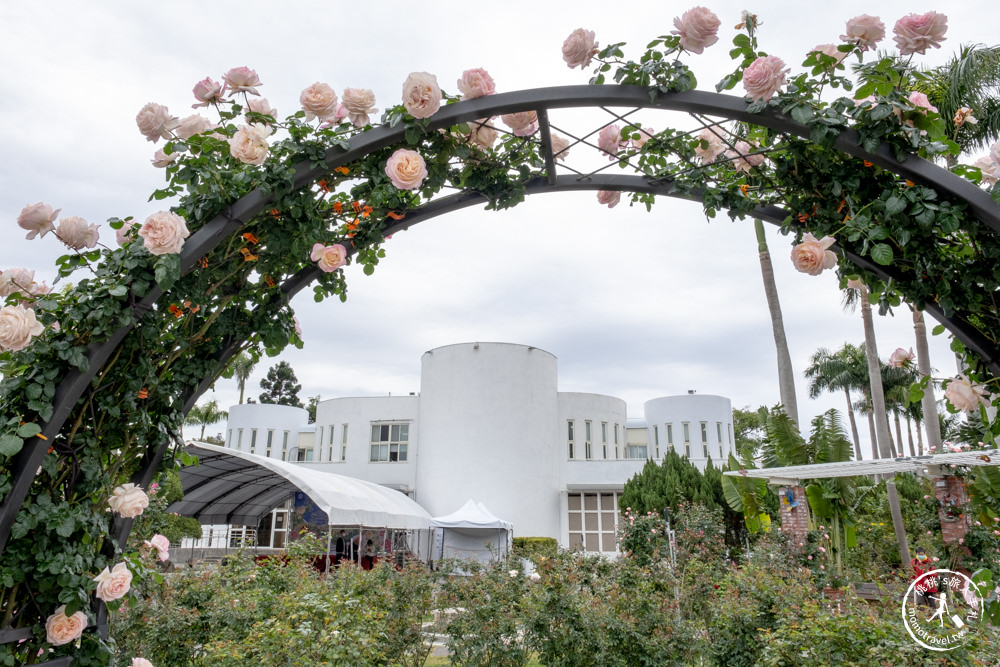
(128, 500)
(764, 77)
(163, 233)
(329, 257)
(482, 134)
(869, 101)
(609, 140)
(915, 33)
(262, 106)
(513, 573)
(901, 358)
(609, 198)
(864, 31)
(207, 92)
(579, 48)
(716, 146)
(421, 95)
(963, 395)
(319, 101)
(476, 83)
(16, 279)
(161, 159)
(812, 255)
(141, 662)
(698, 28)
(249, 144)
(160, 543)
(77, 233)
(963, 116)
(830, 50)
(62, 629)
(241, 80)
(298, 327)
(155, 122)
(113, 584)
(122, 233)
(920, 101)
(645, 134)
(560, 147)
(17, 327)
(521, 123)
(995, 152)
(192, 125)
(743, 158)
(535, 577)
(359, 103)
(406, 169)
(989, 169)
(38, 219)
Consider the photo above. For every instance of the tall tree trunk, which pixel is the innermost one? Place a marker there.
(786, 376)
(898, 451)
(875, 378)
(854, 425)
(909, 435)
(928, 403)
(920, 437)
(871, 424)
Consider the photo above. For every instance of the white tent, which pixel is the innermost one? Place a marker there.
(472, 532)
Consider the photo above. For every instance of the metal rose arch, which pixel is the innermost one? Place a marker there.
(100, 403)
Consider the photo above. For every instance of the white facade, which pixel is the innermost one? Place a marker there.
(490, 424)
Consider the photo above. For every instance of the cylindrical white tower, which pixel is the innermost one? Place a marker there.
(487, 432)
(265, 429)
(699, 426)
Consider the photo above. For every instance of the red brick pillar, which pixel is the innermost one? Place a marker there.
(952, 498)
(794, 515)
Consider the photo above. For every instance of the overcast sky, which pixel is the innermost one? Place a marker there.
(633, 304)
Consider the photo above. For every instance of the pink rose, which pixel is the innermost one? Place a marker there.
(698, 28)
(812, 256)
(743, 158)
(128, 500)
(113, 584)
(963, 395)
(249, 144)
(864, 31)
(141, 662)
(830, 50)
(560, 146)
(715, 146)
(522, 123)
(155, 122)
(192, 125)
(915, 33)
(298, 329)
(645, 134)
(163, 233)
(482, 134)
(476, 83)
(989, 169)
(535, 577)
(329, 257)
(17, 327)
(359, 102)
(262, 106)
(160, 543)
(406, 169)
(122, 233)
(77, 233)
(609, 198)
(207, 92)
(37, 219)
(764, 77)
(421, 95)
(579, 48)
(61, 629)
(610, 141)
(319, 101)
(901, 358)
(161, 159)
(16, 279)
(919, 100)
(241, 80)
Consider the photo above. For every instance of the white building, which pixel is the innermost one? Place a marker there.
(490, 424)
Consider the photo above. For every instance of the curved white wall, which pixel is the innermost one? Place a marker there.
(486, 432)
(246, 418)
(693, 409)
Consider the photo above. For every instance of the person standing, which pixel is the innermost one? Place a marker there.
(921, 565)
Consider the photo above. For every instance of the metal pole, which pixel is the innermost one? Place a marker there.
(329, 531)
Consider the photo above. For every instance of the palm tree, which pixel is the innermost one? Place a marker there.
(786, 376)
(928, 403)
(843, 370)
(859, 293)
(240, 367)
(205, 415)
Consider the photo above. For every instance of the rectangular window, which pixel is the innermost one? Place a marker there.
(270, 441)
(389, 442)
(343, 443)
(253, 441)
(670, 435)
(718, 431)
(229, 438)
(593, 519)
(616, 442)
(588, 433)
(304, 455)
(686, 428)
(239, 439)
(331, 435)
(569, 438)
(604, 439)
(656, 439)
(704, 440)
(284, 446)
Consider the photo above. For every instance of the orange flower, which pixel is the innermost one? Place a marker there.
(269, 281)
(909, 183)
(176, 310)
(187, 304)
(247, 255)
(203, 262)
(745, 189)
(323, 185)
(351, 228)
(356, 206)
(143, 393)
(803, 217)
(338, 208)
(342, 170)
(396, 216)
(275, 212)
(843, 203)
(868, 164)
(366, 211)
(250, 238)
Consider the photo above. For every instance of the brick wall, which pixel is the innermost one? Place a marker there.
(951, 495)
(794, 520)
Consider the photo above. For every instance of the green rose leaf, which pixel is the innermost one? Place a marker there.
(28, 430)
(168, 270)
(10, 444)
(882, 254)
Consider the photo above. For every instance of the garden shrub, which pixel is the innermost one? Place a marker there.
(534, 547)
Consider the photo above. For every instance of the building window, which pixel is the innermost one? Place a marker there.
(270, 441)
(229, 438)
(670, 435)
(656, 439)
(604, 438)
(704, 440)
(284, 446)
(239, 439)
(330, 442)
(588, 432)
(343, 443)
(253, 441)
(686, 428)
(389, 442)
(593, 520)
(718, 431)
(616, 442)
(569, 437)
(304, 455)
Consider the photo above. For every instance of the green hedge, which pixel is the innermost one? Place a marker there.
(530, 547)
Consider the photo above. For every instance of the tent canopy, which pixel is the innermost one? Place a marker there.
(232, 487)
(472, 514)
